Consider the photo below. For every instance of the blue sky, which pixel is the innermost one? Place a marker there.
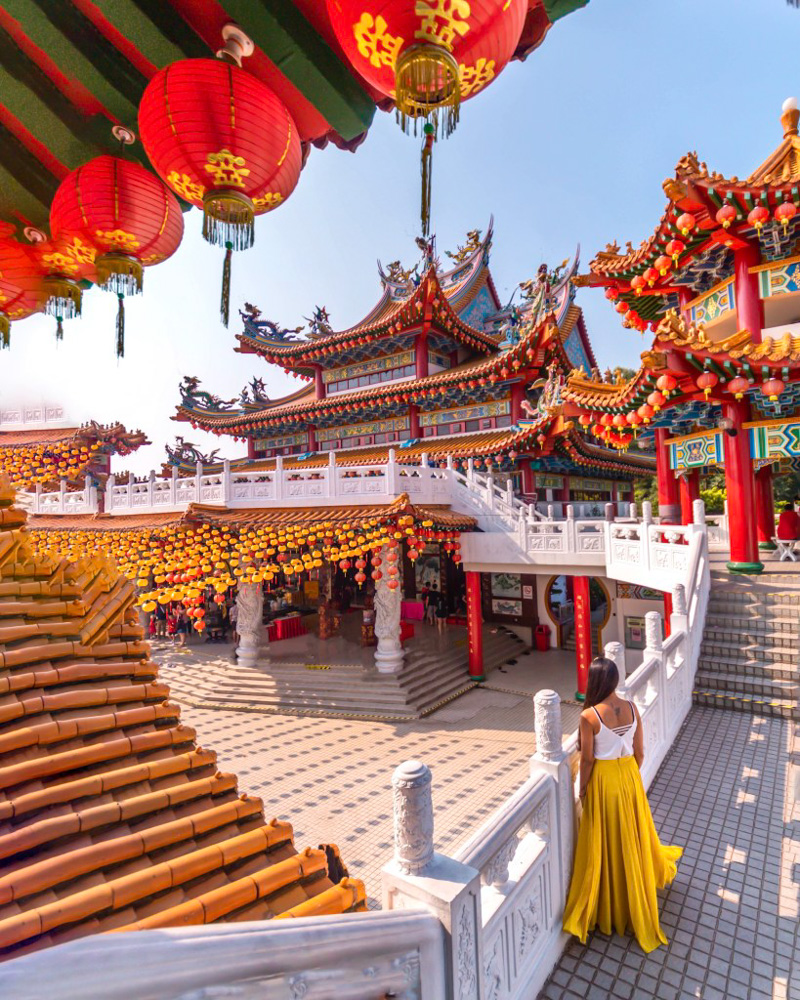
(569, 147)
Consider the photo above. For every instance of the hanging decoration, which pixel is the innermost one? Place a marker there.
(772, 388)
(224, 142)
(66, 264)
(127, 215)
(428, 57)
(706, 381)
(20, 282)
(738, 386)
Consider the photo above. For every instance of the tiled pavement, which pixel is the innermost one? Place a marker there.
(331, 778)
(728, 793)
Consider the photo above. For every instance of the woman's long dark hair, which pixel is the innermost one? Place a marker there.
(603, 680)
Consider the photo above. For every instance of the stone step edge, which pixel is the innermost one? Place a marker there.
(747, 699)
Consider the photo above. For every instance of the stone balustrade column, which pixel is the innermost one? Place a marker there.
(389, 654)
(418, 877)
(413, 817)
(654, 631)
(616, 651)
(551, 758)
(249, 625)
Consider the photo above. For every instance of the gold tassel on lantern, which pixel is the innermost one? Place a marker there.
(5, 331)
(228, 219)
(427, 83)
(427, 172)
(119, 273)
(225, 300)
(63, 298)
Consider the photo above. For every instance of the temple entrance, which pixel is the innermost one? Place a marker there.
(560, 606)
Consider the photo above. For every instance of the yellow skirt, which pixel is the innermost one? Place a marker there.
(619, 861)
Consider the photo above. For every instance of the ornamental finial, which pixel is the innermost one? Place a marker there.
(790, 117)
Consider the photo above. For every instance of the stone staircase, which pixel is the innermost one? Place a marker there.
(429, 679)
(750, 655)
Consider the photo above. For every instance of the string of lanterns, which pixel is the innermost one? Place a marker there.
(177, 563)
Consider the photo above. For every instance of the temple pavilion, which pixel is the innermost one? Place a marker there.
(718, 283)
(438, 367)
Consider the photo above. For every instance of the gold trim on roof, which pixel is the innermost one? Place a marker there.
(673, 329)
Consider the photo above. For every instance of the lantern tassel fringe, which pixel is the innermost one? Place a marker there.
(120, 326)
(5, 342)
(225, 300)
(426, 168)
(59, 328)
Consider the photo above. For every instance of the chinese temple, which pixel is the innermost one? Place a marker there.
(718, 283)
(439, 367)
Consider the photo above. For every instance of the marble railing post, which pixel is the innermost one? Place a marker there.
(391, 473)
(198, 481)
(37, 498)
(418, 877)
(389, 653)
(616, 651)
(227, 491)
(551, 758)
(278, 477)
(679, 619)
(249, 607)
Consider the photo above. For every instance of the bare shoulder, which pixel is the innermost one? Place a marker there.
(589, 716)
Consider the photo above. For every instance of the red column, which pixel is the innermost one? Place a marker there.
(583, 633)
(474, 625)
(413, 421)
(319, 384)
(749, 308)
(528, 478)
(565, 493)
(685, 296)
(421, 355)
(668, 502)
(689, 487)
(668, 608)
(765, 508)
(311, 431)
(517, 395)
(251, 448)
(740, 488)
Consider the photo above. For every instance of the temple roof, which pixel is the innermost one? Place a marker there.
(112, 816)
(707, 257)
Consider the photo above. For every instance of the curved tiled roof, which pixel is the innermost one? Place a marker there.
(111, 815)
(740, 345)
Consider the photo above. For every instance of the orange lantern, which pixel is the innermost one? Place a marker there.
(126, 214)
(223, 141)
(738, 386)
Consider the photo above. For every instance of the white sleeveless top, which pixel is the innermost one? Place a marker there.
(611, 744)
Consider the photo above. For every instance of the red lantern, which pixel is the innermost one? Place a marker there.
(223, 141)
(612, 293)
(663, 263)
(126, 214)
(638, 283)
(598, 430)
(633, 419)
(651, 276)
(622, 307)
(686, 223)
(772, 388)
(675, 248)
(666, 383)
(619, 420)
(64, 263)
(20, 282)
(706, 382)
(428, 56)
(785, 212)
(656, 400)
(606, 420)
(646, 411)
(758, 216)
(585, 419)
(738, 386)
(726, 215)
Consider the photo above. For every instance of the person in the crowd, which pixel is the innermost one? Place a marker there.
(171, 624)
(441, 612)
(182, 626)
(619, 860)
(424, 595)
(151, 625)
(788, 524)
(161, 620)
(433, 601)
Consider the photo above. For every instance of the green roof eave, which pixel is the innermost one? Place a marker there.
(305, 59)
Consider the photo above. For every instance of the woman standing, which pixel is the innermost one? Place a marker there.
(619, 861)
